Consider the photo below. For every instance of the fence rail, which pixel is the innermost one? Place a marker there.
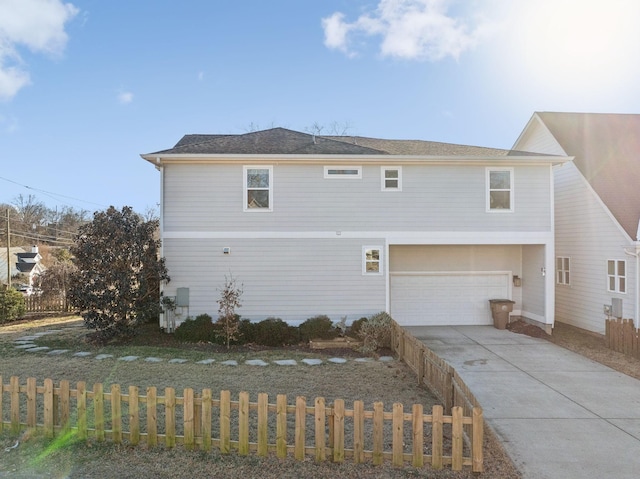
(198, 420)
(621, 335)
(45, 304)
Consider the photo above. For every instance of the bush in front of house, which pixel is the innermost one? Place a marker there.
(354, 329)
(200, 329)
(376, 332)
(318, 327)
(275, 332)
(12, 305)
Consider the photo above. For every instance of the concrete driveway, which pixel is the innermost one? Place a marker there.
(558, 414)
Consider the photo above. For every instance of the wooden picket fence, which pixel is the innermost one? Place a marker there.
(45, 304)
(433, 372)
(621, 335)
(198, 420)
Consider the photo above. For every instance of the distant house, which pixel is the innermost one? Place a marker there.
(350, 226)
(21, 261)
(597, 203)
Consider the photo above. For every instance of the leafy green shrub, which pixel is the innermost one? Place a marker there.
(200, 329)
(376, 332)
(247, 331)
(318, 327)
(12, 305)
(354, 329)
(275, 332)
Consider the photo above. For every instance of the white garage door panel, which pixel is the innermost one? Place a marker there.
(446, 298)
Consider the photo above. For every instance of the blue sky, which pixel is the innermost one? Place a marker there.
(88, 85)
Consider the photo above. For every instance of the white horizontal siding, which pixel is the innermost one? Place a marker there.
(207, 197)
(586, 233)
(289, 279)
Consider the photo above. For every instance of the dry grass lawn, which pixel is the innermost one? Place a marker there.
(36, 457)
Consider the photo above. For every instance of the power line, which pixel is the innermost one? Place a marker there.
(50, 193)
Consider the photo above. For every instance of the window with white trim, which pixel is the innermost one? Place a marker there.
(372, 260)
(391, 177)
(500, 189)
(617, 276)
(343, 172)
(563, 268)
(258, 188)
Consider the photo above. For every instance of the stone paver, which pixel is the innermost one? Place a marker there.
(151, 359)
(38, 349)
(83, 354)
(128, 359)
(26, 346)
(57, 352)
(178, 361)
(206, 361)
(312, 362)
(100, 357)
(286, 362)
(256, 362)
(337, 360)
(230, 362)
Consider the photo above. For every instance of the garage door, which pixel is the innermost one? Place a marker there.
(446, 298)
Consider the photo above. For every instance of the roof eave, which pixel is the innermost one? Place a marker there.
(159, 159)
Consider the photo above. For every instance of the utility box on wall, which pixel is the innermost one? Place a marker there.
(616, 307)
(182, 297)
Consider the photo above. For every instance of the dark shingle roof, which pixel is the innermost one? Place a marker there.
(607, 152)
(281, 141)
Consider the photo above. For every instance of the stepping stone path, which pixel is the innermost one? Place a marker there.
(27, 343)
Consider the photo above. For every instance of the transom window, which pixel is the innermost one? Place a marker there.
(372, 260)
(343, 172)
(391, 178)
(500, 189)
(617, 276)
(258, 191)
(563, 265)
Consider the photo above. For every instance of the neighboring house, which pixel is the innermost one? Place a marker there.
(20, 261)
(597, 204)
(350, 226)
(29, 264)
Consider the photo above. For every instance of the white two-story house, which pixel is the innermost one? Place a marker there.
(350, 226)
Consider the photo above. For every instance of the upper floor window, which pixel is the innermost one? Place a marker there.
(391, 178)
(617, 276)
(258, 188)
(343, 172)
(500, 189)
(563, 266)
(372, 260)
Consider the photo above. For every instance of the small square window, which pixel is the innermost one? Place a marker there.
(371, 260)
(391, 178)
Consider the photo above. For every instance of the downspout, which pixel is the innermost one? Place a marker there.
(636, 303)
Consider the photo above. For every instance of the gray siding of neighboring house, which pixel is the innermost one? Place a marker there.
(209, 198)
(586, 233)
(286, 278)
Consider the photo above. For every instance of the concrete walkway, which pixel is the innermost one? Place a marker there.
(558, 414)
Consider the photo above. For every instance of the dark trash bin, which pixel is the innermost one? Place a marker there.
(500, 309)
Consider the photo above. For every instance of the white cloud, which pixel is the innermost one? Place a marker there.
(35, 24)
(125, 97)
(410, 29)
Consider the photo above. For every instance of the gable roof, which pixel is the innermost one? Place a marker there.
(606, 148)
(288, 142)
